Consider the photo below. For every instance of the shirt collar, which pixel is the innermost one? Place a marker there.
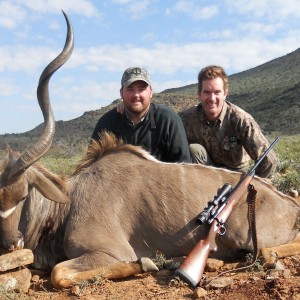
(223, 112)
(140, 121)
(221, 117)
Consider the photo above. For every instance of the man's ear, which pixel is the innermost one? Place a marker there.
(121, 92)
(151, 93)
(199, 95)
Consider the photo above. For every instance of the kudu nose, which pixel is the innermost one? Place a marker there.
(14, 243)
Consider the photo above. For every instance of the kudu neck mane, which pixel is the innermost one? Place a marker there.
(107, 144)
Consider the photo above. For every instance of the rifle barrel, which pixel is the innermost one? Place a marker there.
(263, 156)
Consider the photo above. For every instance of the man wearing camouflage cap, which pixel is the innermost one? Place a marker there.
(156, 128)
(221, 134)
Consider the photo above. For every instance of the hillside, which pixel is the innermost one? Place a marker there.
(270, 92)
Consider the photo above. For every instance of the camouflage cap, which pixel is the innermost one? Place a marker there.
(133, 74)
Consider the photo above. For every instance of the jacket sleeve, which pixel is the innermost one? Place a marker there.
(255, 143)
(97, 130)
(108, 122)
(178, 144)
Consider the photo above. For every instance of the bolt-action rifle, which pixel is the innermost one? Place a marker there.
(216, 214)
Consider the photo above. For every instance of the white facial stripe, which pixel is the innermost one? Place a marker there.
(7, 213)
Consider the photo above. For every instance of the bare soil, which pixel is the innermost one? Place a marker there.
(166, 285)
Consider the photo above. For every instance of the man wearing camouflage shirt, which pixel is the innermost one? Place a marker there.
(221, 134)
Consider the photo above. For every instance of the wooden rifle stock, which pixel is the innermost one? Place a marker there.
(192, 268)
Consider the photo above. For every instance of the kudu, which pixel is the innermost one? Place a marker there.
(125, 207)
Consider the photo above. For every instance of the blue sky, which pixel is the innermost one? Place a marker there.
(173, 39)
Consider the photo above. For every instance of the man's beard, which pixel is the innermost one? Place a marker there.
(137, 110)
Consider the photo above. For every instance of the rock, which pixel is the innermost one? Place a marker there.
(213, 264)
(199, 293)
(18, 280)
(75, 290)
(271, 261)
(163, 273)
(31, 293)
(233, 265)
(279, 266)
(35, 278)
(16, 259)
(210, 275)
(296, 297)
(293, 193)
(221, 282)
(275, 273)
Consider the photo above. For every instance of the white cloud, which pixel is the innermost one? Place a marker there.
(11, 15)
(149, 36)
(237, 55)
(7, 88)
(271, 9)
(259, 28)
(109, 60)
(136, 9)
(123, 1)
(77, 107)
(214, 35)
(139, 8)
(82, 7)
(86, 92)
(289, 8)
(25, 58)
(170, 84)
(54, 25)
(196, 11)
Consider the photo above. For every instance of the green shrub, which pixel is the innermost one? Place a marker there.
(288, 169)
(60, 165)
(287, 182)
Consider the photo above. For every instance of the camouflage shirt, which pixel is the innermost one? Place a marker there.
(232, 140)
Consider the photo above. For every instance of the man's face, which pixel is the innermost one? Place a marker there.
(212, 97)
(136, 97)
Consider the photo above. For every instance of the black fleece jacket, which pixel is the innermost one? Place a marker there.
(161, 132)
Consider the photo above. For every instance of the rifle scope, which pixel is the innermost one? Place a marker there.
(219, 198)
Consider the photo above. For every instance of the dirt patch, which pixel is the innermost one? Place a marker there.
(165, 285)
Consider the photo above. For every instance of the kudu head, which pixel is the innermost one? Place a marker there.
(15, 173)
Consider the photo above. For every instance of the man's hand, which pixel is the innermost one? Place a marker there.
(120, 107)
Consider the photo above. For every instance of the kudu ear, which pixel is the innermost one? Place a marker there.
(46, 187)
(10, 155)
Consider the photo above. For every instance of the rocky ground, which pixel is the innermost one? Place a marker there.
(284, 284)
